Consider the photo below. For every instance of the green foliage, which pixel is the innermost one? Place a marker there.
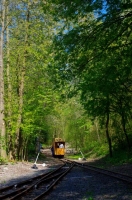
(97, 150)
(92, 54)
(120, 157)
(3, 161)
(29, 95)
(73, 156)
(89, 196)
(100, 153)
(68, 56)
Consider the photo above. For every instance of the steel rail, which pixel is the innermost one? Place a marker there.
(120, 176)
(54, 183)
(27, 188)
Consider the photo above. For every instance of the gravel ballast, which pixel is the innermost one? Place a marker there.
(79, 184)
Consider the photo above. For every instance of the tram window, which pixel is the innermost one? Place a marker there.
(57, 145)
(61, 146)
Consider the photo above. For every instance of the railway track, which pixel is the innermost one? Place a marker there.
(36, 187)
(119, 176)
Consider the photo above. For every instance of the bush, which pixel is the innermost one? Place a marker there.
(3, 161)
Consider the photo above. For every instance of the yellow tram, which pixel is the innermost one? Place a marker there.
(58, 147)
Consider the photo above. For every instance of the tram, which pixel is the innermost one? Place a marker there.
(58, 147)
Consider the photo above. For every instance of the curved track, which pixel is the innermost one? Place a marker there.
(119, 176)
(37, 187)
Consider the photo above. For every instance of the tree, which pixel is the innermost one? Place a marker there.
(2, 121)
(26, 83)
(93, 52)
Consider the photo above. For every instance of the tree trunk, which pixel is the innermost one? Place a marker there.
(9, 97)
(2, 122)
(107, 136)
(18, 144)
(97, 129)
(124, 130)
(107, 128)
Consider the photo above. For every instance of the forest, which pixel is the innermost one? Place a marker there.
(65, 71)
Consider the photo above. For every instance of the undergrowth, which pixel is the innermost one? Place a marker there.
(119, 157)
(3, 161)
